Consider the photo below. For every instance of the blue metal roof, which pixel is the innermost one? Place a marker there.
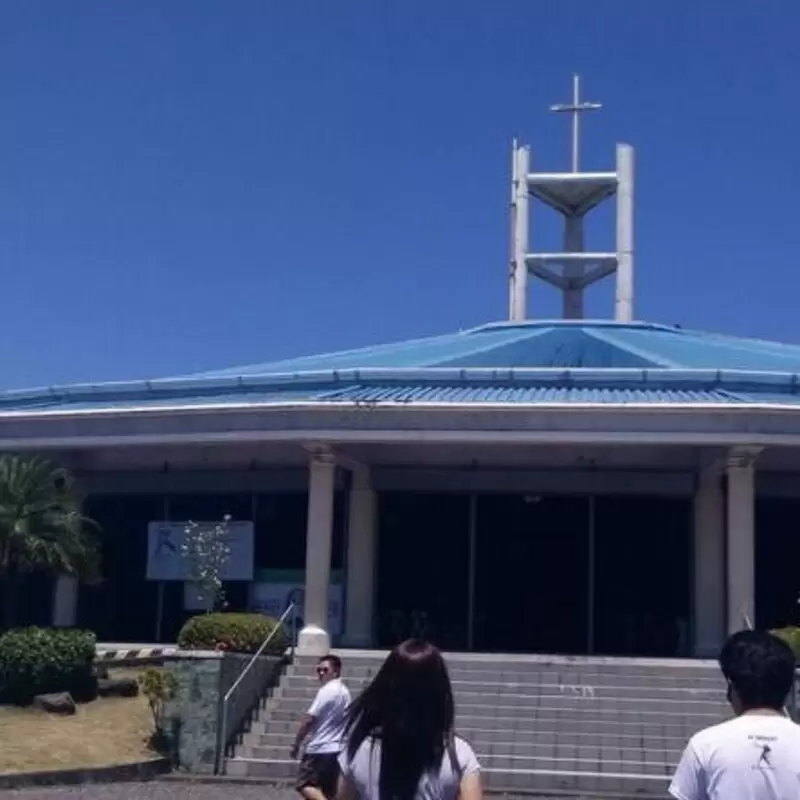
(565, 344)
(528, 363)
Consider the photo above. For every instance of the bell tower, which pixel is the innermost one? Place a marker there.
(573, 195)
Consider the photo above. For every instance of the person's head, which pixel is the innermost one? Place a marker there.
(328, 668)
(409, 707)
(759, 669)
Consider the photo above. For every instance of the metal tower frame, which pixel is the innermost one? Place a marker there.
(573, 195)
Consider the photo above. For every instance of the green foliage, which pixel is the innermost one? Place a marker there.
(237, 633)
(159, 686)
(41, 526)
(792, 637)
(41, 660)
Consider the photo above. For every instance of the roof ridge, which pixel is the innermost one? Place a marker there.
(642, 352)
(578, 323)
(271, 365)
(731, 337)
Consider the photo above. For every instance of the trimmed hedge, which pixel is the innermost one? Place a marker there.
(792, 637)
(42, 660)
(233, 632)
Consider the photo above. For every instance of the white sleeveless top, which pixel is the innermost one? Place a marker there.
(442, 784)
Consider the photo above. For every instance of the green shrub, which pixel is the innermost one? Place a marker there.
(236, 633)
(41, 660)
(792, 637)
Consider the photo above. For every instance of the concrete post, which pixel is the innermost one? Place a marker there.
(573, 293)
(623, 311)
(518, 278)
(65, 601)
(741, 539)
(361, 546)
(314, 639)
(709, 564)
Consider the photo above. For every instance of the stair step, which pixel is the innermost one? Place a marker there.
(515, 743)
(546, 725)
(589, 781)
(564, 708)
(523, 674)
(597, 757)
(307, 686)
(487, 661)
(526, 696)
(592, 727)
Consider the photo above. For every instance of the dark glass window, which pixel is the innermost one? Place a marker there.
(777, 562)
(423, 557)
(123, 607)
(643, 575)
(532, 575)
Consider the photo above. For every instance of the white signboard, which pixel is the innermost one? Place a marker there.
(165, 561)
(274, 598)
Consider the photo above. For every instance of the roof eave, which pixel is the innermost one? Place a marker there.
(553, 424)
(323, 406)
(577, 377)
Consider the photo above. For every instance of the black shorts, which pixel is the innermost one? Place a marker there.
(320, 770)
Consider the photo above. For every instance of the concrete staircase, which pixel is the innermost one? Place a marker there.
(539, 725)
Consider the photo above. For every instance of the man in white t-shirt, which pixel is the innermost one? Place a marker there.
(756, 755)
(322, 733)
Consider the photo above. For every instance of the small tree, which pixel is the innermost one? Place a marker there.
(42, 527)
(159, 686)
(206, 549)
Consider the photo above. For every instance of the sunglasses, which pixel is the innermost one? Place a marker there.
(323, 670)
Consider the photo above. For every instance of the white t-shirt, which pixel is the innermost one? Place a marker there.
(752, 757)
(443, 784)
(328, 711)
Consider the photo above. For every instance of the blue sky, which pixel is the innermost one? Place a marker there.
(193, 184)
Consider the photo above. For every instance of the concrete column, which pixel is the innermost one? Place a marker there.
(623, 307)
(65, 602)
(314, 639)
(361, 545)
(518, 277)
(709, 564)
(573, 273)
(741, 538)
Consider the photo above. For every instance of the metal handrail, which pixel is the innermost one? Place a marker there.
(291, 611)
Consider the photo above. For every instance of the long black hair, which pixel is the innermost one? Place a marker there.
(409, 708)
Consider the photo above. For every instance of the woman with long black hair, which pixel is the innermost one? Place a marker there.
(399, 733)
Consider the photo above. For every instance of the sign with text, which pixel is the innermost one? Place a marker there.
(274, 590)
(166, 562)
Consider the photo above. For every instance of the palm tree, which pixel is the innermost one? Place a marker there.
(41, 526)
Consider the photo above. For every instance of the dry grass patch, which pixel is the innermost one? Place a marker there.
(114, 730)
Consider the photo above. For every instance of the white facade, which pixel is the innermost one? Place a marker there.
(716, 578)
(710, 614)
(723, 456)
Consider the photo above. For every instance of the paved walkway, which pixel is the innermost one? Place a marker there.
(153, 790)
(164, 790)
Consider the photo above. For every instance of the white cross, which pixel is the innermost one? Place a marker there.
(575, 108)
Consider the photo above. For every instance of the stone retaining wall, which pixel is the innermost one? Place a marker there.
(194, 718)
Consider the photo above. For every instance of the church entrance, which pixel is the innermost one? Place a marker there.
(642, 576)
(423, 568)
(534, 573)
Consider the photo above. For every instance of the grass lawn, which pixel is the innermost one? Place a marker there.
(112, 730)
